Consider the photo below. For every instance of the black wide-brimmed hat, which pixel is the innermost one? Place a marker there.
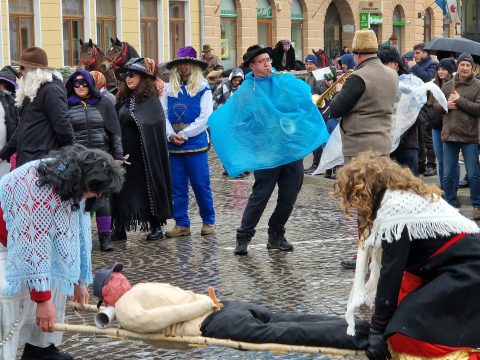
(253, 51)
(187, 55)
(141, 65)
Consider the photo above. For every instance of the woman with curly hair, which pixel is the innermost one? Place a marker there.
(146, 198)
(45, 244)
(425, 263)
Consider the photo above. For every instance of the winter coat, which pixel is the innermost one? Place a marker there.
(277, 57)
(11, 116)
(317, 86)
(44, 125)
(426, 69)
(435, 118)
(226, 89)
(461, 125)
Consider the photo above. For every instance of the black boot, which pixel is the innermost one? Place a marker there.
(119, 234)
(241, 248)
(105, 241)
(155, 234)
(31, 352)
(277, 241)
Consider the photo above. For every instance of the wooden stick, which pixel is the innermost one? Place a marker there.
(193, 341)
(87, 308)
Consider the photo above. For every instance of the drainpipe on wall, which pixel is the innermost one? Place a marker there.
(202, 24)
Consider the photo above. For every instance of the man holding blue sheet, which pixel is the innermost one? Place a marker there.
(272, 125)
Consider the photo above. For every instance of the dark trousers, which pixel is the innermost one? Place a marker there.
(317, 155)
(289, 178)
(407, 157)
(425, 152)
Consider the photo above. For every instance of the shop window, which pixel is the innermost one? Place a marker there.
(20, 17)
(228, 26)
(72, 12)
(176, 26)
(149, 28)
(106, 22)
(297, 28)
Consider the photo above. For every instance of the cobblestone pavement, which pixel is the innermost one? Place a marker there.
(309, 279)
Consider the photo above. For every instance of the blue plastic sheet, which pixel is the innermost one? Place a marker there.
(268, 122)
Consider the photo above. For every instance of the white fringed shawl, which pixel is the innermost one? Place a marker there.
(423, 219)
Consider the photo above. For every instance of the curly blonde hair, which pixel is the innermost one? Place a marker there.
(359, 183)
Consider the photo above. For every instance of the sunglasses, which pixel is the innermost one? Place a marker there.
(128, 74)
(80, 82)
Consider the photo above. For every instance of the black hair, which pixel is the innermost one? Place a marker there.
(74, 170)
(388, 54)
(419, 46)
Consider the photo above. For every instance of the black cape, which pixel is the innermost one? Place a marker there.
(147, 192)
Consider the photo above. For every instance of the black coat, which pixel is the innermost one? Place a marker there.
(277, 56)
(147, 192)
(11, 113)
(97, 126)
(44, 125)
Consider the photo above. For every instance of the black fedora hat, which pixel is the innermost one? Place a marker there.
(253, 51)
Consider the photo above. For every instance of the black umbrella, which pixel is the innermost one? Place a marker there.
(441, 46)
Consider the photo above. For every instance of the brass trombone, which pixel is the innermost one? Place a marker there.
(319, 100)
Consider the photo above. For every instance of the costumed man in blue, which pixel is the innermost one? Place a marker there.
(187, 102)
(273, 125)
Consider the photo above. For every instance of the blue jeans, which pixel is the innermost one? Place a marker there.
(331, 124)
(438, 149)
(407, 157)
(470, 157)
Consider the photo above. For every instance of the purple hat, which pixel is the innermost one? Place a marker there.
(184, 55)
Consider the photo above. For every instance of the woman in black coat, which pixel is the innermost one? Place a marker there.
(283, 56)
(146, 198)
(95, 125)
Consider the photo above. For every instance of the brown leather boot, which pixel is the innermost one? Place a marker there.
(178, 231)
(207, 229)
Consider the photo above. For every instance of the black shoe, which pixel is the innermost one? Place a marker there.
(430, 172)
(155, 234)
(119, 235)
(105, 242)
(224, 173)
(350, 263)
(463, 184)
(241, 248)
(31, 352)
(310, 170)
(328, 174)
(278, 243)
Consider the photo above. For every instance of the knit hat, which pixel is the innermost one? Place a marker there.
(408, 55)
(447, 64)
(465, 57)
(312, 59)
(365, 42)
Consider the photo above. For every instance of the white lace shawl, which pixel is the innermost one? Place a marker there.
(423, 219)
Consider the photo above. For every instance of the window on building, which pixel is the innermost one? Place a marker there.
(106, 22)
(297, 28)
(20, 16)
(72, 12)
(427, 25)
(228, 26)
(149, 28)
(177, 26)
(471, 19)
(399, 26)
(264, 23)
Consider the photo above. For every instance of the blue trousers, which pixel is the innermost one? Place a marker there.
(193, 168)
(470, 157)
(438, 149)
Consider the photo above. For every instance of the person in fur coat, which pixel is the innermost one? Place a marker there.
(283, 56)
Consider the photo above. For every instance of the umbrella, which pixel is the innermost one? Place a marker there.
(440, 46)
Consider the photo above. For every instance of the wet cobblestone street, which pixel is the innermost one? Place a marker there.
(309, 279)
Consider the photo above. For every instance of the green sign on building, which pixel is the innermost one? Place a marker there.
(364, 24)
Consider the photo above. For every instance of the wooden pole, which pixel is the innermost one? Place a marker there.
(195, 341)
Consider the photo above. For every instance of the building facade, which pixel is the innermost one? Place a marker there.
(471, 19)
(156, 28)
(233, 25)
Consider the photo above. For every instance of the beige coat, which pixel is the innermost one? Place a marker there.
(368, 125)
(162, 308)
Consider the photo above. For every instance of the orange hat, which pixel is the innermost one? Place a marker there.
(100, 80)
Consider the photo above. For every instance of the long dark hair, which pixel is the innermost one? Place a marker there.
(74, 170)
(146, 88)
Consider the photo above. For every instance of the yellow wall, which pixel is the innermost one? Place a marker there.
(51, 23)
(131, 23)
(4, 30)
(195, 26)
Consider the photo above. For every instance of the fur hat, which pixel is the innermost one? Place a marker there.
(465, 57)
(365, 42)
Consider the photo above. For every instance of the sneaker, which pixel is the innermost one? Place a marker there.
(430, 172)
(207, 229)
(278, 243)
(178, 231)
(310, 170)
(241, 247)
(349, 263)
(476, 213)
